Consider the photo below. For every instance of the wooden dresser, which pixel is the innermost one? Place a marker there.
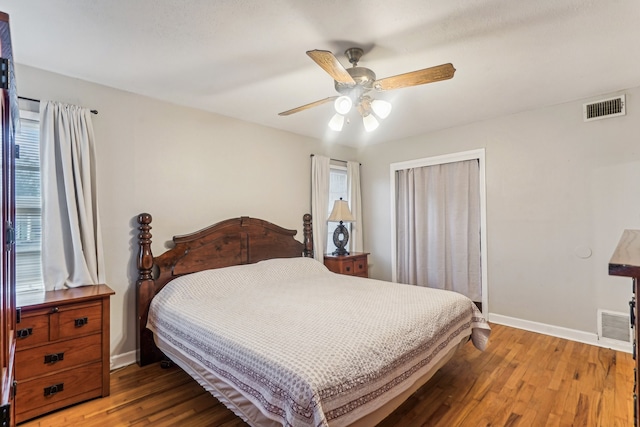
(62, 347)
(626, 262)
(354, 264)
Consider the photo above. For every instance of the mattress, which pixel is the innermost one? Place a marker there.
(304, 346)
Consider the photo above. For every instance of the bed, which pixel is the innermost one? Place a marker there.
(244, 309)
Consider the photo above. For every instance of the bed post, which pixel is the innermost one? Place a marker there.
(145, 287)
(308, 236)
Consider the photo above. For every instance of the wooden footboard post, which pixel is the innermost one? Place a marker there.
(145, 288)
(308, 235)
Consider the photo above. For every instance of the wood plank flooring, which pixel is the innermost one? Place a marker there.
(522, 379)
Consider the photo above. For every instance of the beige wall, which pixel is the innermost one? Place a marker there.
(555, 187)
(187, 168)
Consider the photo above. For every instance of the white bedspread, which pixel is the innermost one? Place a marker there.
(307, 346)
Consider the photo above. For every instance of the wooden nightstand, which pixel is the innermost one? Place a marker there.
(354, 264)
(62, 349)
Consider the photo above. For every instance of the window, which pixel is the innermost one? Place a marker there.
(28, 205)
(338, 187)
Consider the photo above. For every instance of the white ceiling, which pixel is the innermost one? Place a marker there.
(246, 58)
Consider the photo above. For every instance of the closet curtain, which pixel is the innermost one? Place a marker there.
(319, 203)
(438, 227)
(72, 253)
(356, 243)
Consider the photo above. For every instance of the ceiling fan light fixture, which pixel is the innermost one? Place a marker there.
(370, 122)
(336, 123)
(343, 104)
(381, 107)
(355, 86)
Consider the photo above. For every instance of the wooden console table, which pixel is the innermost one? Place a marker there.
(626, 262)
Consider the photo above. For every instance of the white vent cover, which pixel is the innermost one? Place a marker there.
(604, 109)
(614, 326)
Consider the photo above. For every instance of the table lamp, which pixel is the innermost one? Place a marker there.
(341, 213)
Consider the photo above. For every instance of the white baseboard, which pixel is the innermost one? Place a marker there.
(560, 332)
(122, 360)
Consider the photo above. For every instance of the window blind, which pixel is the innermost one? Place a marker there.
(28, 208)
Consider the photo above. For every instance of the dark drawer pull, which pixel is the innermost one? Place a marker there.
(24, 333)
(360, 266)
(51, 390)
(81, 322)
(632, 312)
(53, 358)
(348, 268)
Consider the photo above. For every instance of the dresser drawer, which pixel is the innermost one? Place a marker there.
(55, 391)
(77, 321)
(60, 322)
(58, 356)
(63, 358)
(33, 329)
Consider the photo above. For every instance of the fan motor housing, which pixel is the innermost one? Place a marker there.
(364, 79)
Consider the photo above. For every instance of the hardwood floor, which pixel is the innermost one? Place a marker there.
(522, 379)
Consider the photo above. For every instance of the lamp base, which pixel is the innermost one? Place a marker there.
(340, 252)
(340, 239)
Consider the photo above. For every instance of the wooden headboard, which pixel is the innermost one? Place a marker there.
(235, 241)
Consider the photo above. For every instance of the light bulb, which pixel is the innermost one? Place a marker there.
(336, 122)
(343, 104)
(381, 108)
(370, 123)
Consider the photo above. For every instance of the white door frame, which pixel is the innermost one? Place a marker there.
(439, 160)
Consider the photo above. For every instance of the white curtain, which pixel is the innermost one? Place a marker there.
(319, 203)
(438, 227)
(356, 243)
(72, 253)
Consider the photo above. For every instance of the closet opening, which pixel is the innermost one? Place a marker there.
(438, 214)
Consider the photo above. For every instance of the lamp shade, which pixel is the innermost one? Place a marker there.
(381, 107)
(370, 122)
(343, 104)
(336, 122)
(341, 212)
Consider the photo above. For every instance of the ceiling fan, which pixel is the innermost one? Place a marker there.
(356, 84)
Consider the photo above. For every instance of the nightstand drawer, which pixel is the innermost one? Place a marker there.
(354, 264)
(360, 266)
(55, 391)
(57, 356)
(345, 267)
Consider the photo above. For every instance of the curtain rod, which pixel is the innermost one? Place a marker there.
(337, 160)
(37, 100)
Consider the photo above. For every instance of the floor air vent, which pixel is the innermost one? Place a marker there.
(604, 109)
(614, 326)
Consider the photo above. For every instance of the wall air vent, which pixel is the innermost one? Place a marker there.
(604, 109)
(614, 327)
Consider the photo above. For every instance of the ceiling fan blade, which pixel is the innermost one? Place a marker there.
(331, 65)
(307, 106)
(415, 78)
